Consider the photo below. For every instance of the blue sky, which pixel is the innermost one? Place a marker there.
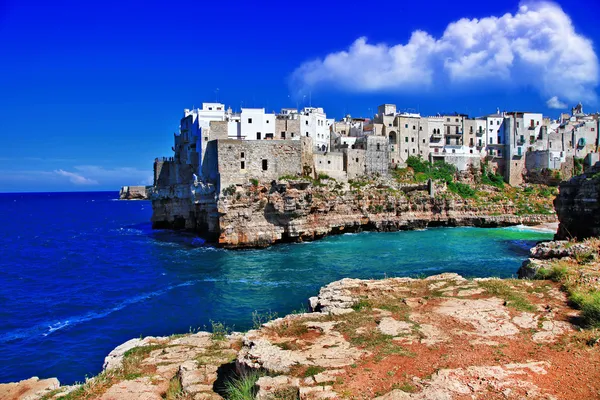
(92, 92)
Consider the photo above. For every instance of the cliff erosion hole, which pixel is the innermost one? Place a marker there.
(226, 373)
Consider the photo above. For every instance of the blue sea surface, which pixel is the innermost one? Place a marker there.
(81, 273)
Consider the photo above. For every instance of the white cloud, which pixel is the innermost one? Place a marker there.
(121, 175)
(555, 103)
(76, 178)
(537, 47)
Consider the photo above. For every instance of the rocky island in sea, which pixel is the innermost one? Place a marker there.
(440, 337)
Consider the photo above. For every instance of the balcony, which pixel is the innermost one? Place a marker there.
(520, 141)
(479, 132)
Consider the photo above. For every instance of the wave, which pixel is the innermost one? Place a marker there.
(47, 328)
(539, 228)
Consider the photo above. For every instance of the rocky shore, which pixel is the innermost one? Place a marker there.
(442, 337)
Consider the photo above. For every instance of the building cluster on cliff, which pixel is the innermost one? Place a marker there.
(216, 147)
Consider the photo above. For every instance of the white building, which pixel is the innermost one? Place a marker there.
(256, 124)
(313, 123)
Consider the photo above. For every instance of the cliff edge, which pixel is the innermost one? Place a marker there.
(578, 205)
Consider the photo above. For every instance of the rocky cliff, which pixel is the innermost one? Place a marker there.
(578, 205)
(258, 215)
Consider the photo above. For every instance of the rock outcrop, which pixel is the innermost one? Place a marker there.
(135, 192)
(578, 206)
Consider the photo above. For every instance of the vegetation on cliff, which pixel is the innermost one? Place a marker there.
(579, 276)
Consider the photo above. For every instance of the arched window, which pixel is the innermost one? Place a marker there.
(392, 137)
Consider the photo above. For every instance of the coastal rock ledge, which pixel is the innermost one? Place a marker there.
(443, 337)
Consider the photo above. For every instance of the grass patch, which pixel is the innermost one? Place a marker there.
(362, 304)
(502, 289)
(290, 327)
(405, 387)
(242, 387)
(175, 390)
(556, 273)
(589, 304)
(313, 370)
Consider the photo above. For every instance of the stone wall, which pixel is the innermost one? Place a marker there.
(377, 155)
(354, 160)
(239, 161)
(331, 164)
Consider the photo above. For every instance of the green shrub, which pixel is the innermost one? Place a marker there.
(229, 191)
(219, 330)
(463, 190)
(323, 176)
(440, 170)
(254, 182)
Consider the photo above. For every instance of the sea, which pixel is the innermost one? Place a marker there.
(81, 273)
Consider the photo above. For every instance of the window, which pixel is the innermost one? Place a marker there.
(517, 124)
(420, 128)
(447, 119)
(406, 139)
(456, 119)
(498, 122)
(209, 108)
(406, 150)
(423, 140)
(243, 166)
(242, 154)
(453, 150)
(414, 127)
(249, 120)
(292, 134)
(471, 151)
(257, 135)
(378, 147)
(406, 126)
(265, 165)
(593, 129)
(357, 160)
(283, 135)
(328, 162)
(306, 122)
(267, 121)
(306, 134)
(413, 151)
(412, 140)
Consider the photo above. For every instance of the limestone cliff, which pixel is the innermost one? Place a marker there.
(578, 205)
(258, 215)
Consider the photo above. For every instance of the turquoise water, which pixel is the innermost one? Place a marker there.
(83, 273)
